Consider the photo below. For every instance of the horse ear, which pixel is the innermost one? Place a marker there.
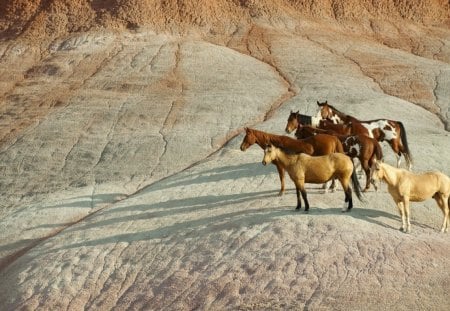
(318, 104)
(298, 111)
(326, 102)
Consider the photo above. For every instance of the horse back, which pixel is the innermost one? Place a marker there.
(422, 186)
(292, 144)
(325, 144)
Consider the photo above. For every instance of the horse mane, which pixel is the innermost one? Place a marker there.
(304, 119)
(288, 143)
(337, 110)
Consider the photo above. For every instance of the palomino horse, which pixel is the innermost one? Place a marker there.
(380, 129)
(295, 119)
(405, 186)
(303, 168)
(366, 149)
(317, 145)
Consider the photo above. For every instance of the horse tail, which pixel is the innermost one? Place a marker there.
(356, 186)
(406, 151)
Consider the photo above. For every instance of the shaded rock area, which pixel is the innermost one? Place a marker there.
(123, 185)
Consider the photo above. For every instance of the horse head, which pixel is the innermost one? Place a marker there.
(300, 132)
(292, 121)
(376, 172)
(269, 154)
(248, 140)
(325, 110)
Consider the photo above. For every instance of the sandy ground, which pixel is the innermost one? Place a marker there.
(124, 187)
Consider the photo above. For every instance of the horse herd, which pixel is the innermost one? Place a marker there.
(324, 149)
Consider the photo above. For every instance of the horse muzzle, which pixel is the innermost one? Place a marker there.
(264, 163)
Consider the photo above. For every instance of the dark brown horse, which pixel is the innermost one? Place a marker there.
(295, 119)
(318, 145)
(366, 149)
(381, 129)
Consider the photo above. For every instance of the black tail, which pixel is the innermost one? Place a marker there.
(406, 151)
(356, 186)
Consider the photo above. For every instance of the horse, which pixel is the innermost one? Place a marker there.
(366, 149)
(303, 168)
(317, 145)
(381, 129)
(295, 119)
(405, 186)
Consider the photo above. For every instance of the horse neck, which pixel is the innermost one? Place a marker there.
(262, 138)
(285, 159)
(273, 139)
(310, 131)
(390, 174)
(345, 118)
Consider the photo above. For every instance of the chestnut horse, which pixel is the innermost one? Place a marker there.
(380, 129)
(303, 168)
(366, 149)
(318, 145)
(405, 186)
(295, 119)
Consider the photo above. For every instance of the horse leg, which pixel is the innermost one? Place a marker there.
(396, 148)
(357, 165)
(325, 187)
(333, 185)
(348, 195)
(365, 165)
(299, 201)
(300, 188)
(401, 210)
(443, 205)
(303, 191)
(406, 213)
(281, 174)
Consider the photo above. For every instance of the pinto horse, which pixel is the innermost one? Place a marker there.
(380, 129)
(405, 186)
(295, 119)
(303, 168)
(366, 149)
(317, 145)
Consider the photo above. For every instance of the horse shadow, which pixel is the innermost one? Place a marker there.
(197, 227)
(228, 172)
(175, 207)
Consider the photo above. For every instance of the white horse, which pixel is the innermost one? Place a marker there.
(405, 186)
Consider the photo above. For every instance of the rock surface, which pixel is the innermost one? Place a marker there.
(123, 185)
